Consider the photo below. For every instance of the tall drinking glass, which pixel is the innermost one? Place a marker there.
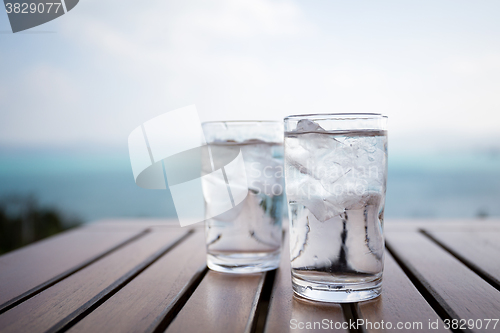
(335, 174)
(247, 238)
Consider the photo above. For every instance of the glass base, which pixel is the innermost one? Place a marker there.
(243, 263)
(337, 293)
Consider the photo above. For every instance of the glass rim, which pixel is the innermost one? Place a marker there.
(338, 116)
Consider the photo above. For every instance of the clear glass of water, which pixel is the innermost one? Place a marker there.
(247, 238)
(335, 174)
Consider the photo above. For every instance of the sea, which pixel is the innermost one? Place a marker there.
(95, 184)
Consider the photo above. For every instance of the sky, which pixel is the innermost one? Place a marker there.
(91, 76)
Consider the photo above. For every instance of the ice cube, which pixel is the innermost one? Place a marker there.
(297, 157)
(305, 125)
(308, 191)
(307, 153)
(318, 144)
(353, 166)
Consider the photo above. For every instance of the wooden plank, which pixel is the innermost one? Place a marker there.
(221, 303)
(480, 250)
(470, 225)
(134, 220)
(58, 306)
(131, 223)
(459, 292)
(400, 302)
(393, 225)
(25, 271)
(287, 312)
(143, 303)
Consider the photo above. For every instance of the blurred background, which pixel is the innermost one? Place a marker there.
(73, 89)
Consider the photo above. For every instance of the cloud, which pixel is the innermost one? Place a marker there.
(213, 53)
(163, 32)
(120, 63)
(36, 102)
(243, 19)
(478, 65)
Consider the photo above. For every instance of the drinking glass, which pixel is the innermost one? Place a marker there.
(247, 238)
(335, 175)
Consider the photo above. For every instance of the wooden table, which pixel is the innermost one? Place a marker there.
(150, 276)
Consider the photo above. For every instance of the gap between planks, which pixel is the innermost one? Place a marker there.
(443, 310)
(161, 324)
(94, 303)
(260, 307)
(471, 265)
(43, 286)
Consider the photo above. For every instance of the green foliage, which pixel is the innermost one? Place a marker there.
(23, 221)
